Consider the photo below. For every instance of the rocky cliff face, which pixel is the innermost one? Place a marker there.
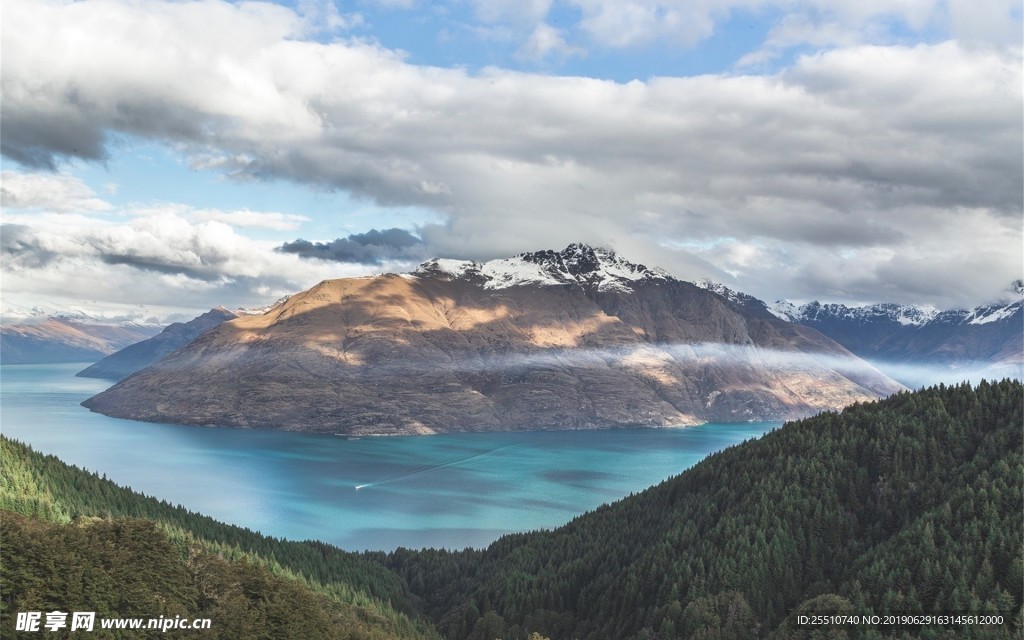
(550, 340)
(140, 355)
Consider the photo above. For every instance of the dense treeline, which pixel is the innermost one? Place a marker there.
(129, 568)
(911, 505)
(51, 491)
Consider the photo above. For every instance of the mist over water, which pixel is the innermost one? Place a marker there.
(453, 490)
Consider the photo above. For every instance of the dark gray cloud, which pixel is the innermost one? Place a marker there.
(20, 247)
(155, 264)
(371, 248)
(40, 140)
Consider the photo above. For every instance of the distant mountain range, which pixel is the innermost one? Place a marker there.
(142, 354)
(61, 339)
(572, 339)
(55, 334)
(917, 345)
(985, 341)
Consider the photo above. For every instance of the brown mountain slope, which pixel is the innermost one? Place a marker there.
(460, 350)
(140, 355)
(65, 340)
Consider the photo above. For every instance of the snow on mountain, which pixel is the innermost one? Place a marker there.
(902, 314)
(784, 310)
(719, 288)
(577, 264)
(915, 344)
(908, 315)
(993, 313)
(21, 314)
(736, 297)
(256, 311)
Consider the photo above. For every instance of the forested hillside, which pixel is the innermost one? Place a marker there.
(74, 540)
(911, 505)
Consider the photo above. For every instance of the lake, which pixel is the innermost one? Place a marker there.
(449, 491)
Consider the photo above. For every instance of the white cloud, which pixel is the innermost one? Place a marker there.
(815, 23)
(253, 219)
(797, 29)
(161, 259)
(55, 192)
(625, 23)
(871, 150)
(985, 21)
(547, 42)
(323, 16)
(66, 194)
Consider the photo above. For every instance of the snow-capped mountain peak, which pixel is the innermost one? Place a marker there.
(993, 313)
(722, 290)
(737, 298)
(905, 315)
(784, 310)
(257, 311)
(578, 264)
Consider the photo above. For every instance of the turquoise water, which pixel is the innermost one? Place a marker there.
(370, 493)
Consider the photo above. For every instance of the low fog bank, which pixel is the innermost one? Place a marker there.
(916, 376)
(692, 357)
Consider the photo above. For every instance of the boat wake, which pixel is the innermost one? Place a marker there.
(433, 467)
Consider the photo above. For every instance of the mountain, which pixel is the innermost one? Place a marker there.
(987, 340)
(905, 506)
(574, 339)
(142, 354)
(62, 339)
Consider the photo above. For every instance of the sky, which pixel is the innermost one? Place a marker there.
(160, 158)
